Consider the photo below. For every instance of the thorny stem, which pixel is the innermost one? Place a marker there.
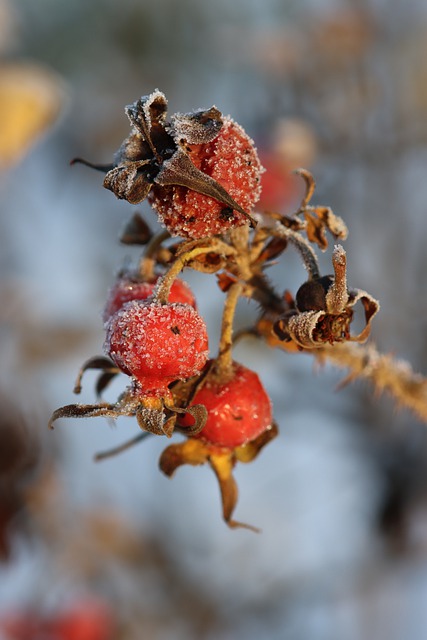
(148, 260)
(307, 254)
(386, 373)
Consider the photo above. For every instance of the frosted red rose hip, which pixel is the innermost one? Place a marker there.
(128, 288)
(157, 344)
(239, 410)
(230, 159)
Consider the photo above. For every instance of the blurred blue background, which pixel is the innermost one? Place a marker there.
(341, 495)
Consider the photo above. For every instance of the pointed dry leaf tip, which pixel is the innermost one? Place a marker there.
(148, 110)
(179, 170)
(310, 186)
(198, 127)
(155, 107)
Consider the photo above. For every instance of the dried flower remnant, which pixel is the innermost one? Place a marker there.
(324, 310)
(200, 171)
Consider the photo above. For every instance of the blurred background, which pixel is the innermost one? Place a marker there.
(115, 550)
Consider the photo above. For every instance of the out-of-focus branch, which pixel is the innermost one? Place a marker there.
(386, 373)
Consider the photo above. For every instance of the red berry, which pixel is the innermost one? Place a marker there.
(130, 288)
(230, 159)
(279, 186)
(239, 410)
(157, 344)
(84, 621)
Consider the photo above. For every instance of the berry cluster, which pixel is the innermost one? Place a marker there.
(201, 174)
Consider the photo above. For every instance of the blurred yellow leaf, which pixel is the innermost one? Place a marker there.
(31, 98)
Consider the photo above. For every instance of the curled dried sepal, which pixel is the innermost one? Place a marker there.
(198, 413)
(104, 409)
(154, 415)
(108, 368)
(318, 219)
(136, 231)
(322, 219)
(326, 319)
(179, 170)
(249, 451)
(222, 461)
(198, 127)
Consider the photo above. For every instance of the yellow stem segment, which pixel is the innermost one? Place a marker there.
(224, 363)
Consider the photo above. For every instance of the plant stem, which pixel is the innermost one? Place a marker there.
(148, 260)
(224, 363)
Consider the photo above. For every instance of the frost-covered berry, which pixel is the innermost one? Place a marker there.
(230, 159)
(239, 410)
(130, 288)
(157, 344)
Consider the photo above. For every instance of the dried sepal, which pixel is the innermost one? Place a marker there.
(318, 219)
(153, 420)
(199, 414)
(274, 333)
(222, 464)
(136, 231)
(322, 219)
(325, 310)
(272, 249)
(104, 409)
(225, 281)
(333, 223)
(102, 363)
(147, 112)
(195, 452)
(371, 307)
(191, 451)
(179, 170)
(249, 451)
(128, 182)
(198, 127)
(310, 186)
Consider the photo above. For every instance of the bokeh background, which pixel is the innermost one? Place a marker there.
(341, 496)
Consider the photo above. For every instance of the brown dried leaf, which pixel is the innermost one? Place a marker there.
(136, 231)
(316, 230)
(225, 281)
(371, 307)
(250, 450)
(191, 451)
(222, 464)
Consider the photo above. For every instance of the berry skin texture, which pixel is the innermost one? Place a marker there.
(157, 344)
(230, 159)
(238, 410)
(128, 288)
